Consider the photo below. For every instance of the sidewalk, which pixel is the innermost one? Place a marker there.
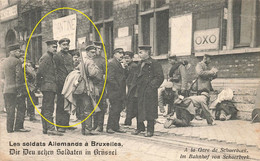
(233, 131)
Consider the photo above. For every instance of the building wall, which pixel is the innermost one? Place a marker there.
(125, 15)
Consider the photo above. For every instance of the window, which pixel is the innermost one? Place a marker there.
(103, 17)
(207, 28)
(242, 19)
(155, 26)
(207, 20)
(31, 18)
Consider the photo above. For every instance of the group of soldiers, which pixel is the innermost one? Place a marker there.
(77, 82)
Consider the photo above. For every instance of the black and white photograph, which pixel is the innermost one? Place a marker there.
(129, 80)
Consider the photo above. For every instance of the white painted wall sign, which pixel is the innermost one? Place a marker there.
(124, 42)
(65, 27)
(9, 13)
(181, 35)
(123, 32)
(206, 39)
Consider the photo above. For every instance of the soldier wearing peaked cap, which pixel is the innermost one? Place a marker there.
(13, 77)
(46, 80)
(148, 79)
(100, 61)
(64, 63)
(66, 40)
(116, 90)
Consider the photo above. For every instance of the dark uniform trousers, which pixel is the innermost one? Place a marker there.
(114, 114)
(62, 117)
(14, 119)
(99, 116)
(131, 110)
(30, 107)
(183, 118)
(83, 102)
(150, 126)
(47, 110)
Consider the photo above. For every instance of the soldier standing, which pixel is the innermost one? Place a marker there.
(116, 90)
(13, 88)
(178, 75)
(47, 81)
(205, 74)
(100, 61)
(64, 63)
(148, 80)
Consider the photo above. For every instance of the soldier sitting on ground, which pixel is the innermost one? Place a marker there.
(185, 110)
(166, 97)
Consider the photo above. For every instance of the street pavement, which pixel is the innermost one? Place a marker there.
(167, 144)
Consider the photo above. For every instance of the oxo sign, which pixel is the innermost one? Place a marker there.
(206, 39)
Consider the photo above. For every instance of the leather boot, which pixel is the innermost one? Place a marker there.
(83, 128)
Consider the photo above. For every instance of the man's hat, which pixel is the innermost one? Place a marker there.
(129, 53)
(118, 50)
(14, 47)
(172, 57)
(205, 94)
(144, 47)
(64, 40)
(168, 85)
(90, 47)
(97, 43)
(51, 42)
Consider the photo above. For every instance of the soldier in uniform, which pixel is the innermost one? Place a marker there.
(13, 89)
(64, 63)
(185, 110)
(116, 90)
(100, 61)
(86, 92)
(46, 80)
(178, 75)
(149, 78)
(205, 74)
(167, 96)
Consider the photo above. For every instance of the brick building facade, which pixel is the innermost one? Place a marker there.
(229, 30)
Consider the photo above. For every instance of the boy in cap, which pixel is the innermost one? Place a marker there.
(46, 80)
(14, 86)
(64, 64)
(148, 79)
(131, 101)
(116, 90)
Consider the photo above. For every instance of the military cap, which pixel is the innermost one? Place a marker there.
(144, 47)
(97, 43)
(13, 47)
(64, 40)
(51, 42)
(172, 57)
(118, 50)
(90, 47)
(168, 85)
(205, 94)
(129, 53)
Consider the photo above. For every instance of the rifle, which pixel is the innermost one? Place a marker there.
(86, 87)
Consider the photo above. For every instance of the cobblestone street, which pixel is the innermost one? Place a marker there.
(163, 146)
